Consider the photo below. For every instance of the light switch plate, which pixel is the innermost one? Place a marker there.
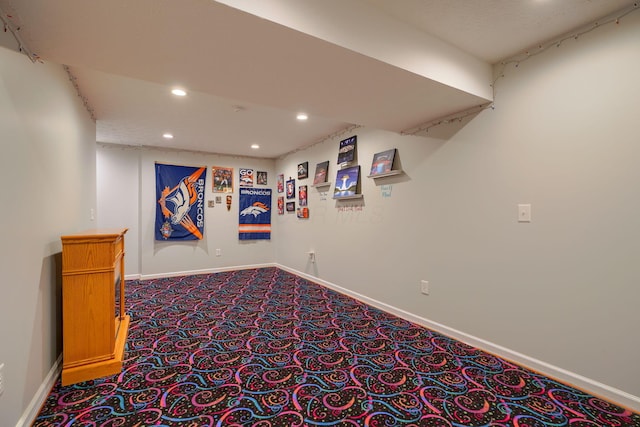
(424, 287)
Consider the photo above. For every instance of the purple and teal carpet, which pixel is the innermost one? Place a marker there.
(266, 348)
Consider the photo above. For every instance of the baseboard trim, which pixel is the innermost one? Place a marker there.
(580, 382)
(31, 411)
(204, 271)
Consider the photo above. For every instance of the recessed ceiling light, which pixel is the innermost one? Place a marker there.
(255, 146)
(178, 92)
(302, 116)
(167, 136)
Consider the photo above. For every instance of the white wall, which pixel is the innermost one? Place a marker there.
(118, 182)
(47, 168)
(563, 289)
(127, 198)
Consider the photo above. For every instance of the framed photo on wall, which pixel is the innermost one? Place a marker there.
(347, 150)
(302, 195)
(291, 188)
(382, 162)
(246, 177)
(280, 183)
(222, 179)
(322, 169)
(347, 180)
(280, 205)
(303, 170)
(261, 178)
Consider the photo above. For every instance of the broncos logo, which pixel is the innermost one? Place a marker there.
(256, 209)
(182, 197)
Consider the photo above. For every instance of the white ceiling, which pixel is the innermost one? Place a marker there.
(250, 66)
(494, 30)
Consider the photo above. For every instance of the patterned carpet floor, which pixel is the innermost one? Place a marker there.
(266, 348)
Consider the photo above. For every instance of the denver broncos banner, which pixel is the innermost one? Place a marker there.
(255, 214)
(180, 196)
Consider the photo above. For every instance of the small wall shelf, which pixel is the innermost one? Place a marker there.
(355, 196)
(345, 165)
(321, 184)
(383, 175)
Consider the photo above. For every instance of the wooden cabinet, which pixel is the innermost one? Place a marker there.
(94, 323)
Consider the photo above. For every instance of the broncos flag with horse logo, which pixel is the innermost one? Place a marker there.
(180, 196)
(255, 214)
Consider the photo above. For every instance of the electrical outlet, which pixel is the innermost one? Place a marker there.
(218, 252)
(1, 378)
(524, 213)
(424, 287)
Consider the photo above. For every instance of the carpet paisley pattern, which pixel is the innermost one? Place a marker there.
(265, 348)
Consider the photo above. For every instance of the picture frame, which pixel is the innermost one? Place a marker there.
(246, 177)
(382, 162)
(222, 181)
(303, 170)
(291, 188)
(302, 195)
(280, 183)
(280, 205)
(347, 182)
(261, 178)
(322, 173)
(347, 150)
(291, 206)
